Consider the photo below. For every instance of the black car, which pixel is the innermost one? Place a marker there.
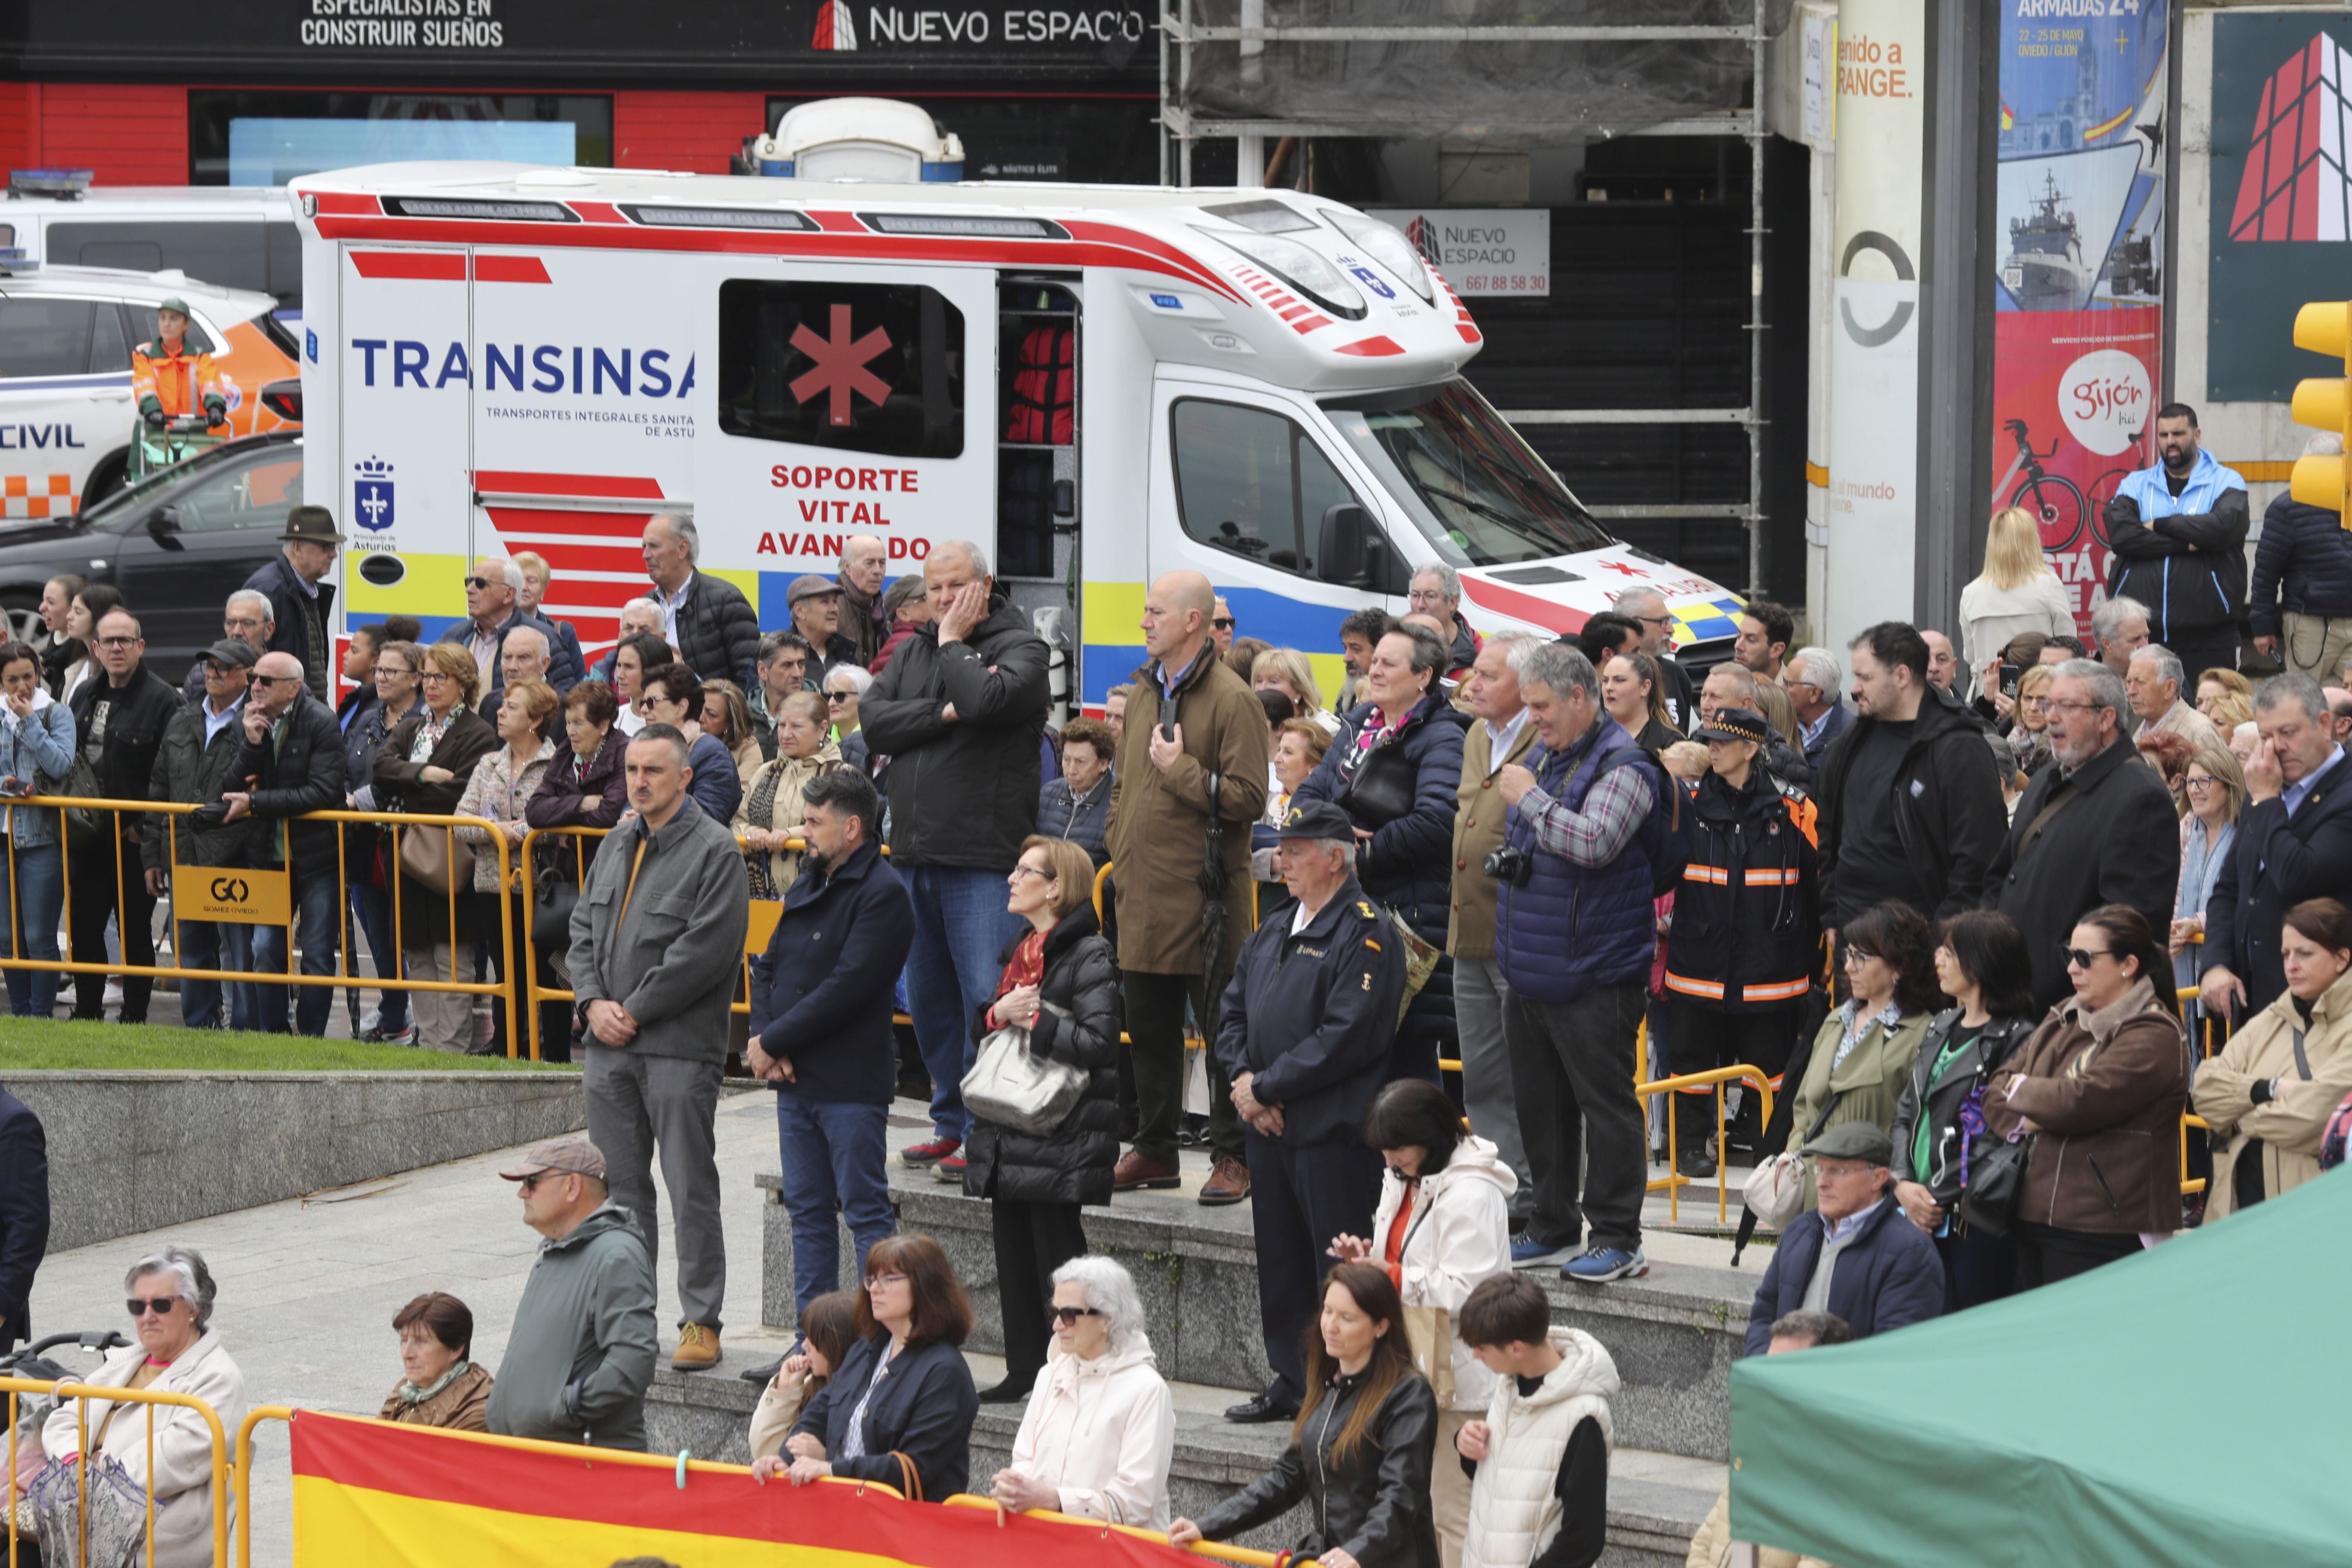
(176, 544)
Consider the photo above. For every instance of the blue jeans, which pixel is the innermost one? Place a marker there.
(317, 897)
(371, 910)
(833, 1155)
(204, 944)
(32, 879)
(962, 927)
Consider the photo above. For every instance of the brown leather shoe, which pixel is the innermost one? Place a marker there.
(1134, 1173)
(697, 1348)
(1228, 1182)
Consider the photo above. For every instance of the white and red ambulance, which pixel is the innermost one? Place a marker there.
(1097, 384)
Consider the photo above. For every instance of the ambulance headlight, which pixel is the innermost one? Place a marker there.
(1385, 246)
(1292, 263)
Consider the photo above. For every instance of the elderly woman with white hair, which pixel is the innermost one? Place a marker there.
(1100, 1428)
(165, 1449)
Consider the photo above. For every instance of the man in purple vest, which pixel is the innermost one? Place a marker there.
(1575, 934)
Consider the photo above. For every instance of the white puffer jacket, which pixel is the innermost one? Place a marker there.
(1460, 1233)
(1514, 1507)
(1103, 1431)
(184, 1446)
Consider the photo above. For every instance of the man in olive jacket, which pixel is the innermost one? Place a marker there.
(959, 710)
(581, 1355)
(656, 942)
(1190, 717)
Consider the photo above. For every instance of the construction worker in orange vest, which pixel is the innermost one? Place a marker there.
(167, 379)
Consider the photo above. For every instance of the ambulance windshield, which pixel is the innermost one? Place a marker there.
(1462, 474)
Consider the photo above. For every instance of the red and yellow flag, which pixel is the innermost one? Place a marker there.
(370, 1494)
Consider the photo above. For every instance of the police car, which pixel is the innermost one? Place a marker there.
(66, 409)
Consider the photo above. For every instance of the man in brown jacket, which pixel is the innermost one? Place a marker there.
(1189, 716)
(1501, 735)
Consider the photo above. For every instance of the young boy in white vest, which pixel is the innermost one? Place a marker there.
(1539, 1463)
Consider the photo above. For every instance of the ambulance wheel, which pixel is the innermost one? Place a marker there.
(107, 478)
(22, 607)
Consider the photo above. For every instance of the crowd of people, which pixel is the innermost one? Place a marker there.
(1943, 891)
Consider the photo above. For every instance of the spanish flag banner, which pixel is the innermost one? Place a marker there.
(371, 1494)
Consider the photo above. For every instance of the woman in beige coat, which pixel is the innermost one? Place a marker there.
(769, 816)
(2283, 1074)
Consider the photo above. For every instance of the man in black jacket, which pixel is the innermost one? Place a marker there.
(301, 601)
(198, 764)
(2095, 830)
(292, 763)
(23, 1215)
(713, 627)
(959, 710)
(2301, 601)
(1910, 804)
(1303, 1032)
(2293, 842)
(821, 1005)
(119, 724)
(494, 612)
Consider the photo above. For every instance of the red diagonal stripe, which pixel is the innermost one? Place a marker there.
(511, 269)
(518, 482)
(434, 265)
(1541, 611)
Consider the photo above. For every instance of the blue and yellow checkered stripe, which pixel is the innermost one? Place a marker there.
(1706, 620)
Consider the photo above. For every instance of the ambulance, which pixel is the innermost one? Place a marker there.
(1097, 384)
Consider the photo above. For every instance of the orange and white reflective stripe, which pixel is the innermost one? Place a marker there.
(1771, 878)
(1785, 991)
(1710, 989)
(37, 495)
(1717, 875)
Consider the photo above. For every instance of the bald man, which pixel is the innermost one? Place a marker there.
(1188, 717)
(1943, 664)
(494, 594)
(292, 763)
(865, 564)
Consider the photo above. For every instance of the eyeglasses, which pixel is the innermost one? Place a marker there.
(160, 1306)
(1655, 620)
(391, 672)
(1019, 868)
(2053, 705)
(1859, 955)
(2194, 782)
(1072, 1314)
(1223, 623)
(876, 1282)
(278, 681)
(2083, 957)
(439, 675)
(118, 642)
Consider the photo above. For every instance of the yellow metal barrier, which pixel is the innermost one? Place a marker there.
(2190, 1184)
(171, 811)
(1250, 1556)
(15, 1386)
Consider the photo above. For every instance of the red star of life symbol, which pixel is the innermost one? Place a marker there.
(840, 367)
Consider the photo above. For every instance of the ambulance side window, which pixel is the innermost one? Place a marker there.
(1253, 483)
(45, 337)
(860, 367)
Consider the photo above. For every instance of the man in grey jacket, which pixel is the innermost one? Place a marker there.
(581, 1354)
(657, 945)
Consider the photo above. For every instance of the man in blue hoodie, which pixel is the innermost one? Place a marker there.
(2178, 531)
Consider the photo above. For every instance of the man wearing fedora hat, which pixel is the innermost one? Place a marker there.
(301, 596)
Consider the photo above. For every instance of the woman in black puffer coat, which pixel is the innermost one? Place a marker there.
(1401, 788)
(1061, 981)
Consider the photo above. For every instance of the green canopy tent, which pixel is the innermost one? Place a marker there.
(2192, 1405)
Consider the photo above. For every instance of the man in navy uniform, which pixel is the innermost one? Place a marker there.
(1303, 1032)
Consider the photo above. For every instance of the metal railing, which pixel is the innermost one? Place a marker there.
(17, 1388)
(127, 862)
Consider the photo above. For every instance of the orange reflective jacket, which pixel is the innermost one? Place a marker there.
(175, 382)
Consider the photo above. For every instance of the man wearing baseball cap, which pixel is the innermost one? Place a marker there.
(1858, 1255)
(195, 764)
(580, 1355)
(300, 597)
(815, 605)
(1303, 1033)
(168, 378)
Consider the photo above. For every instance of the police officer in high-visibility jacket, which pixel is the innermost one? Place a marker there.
(168, 379)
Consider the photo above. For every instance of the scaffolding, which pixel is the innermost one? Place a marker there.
(1637, 99)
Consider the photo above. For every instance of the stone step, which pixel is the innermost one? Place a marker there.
(1673, 1333)
(1656, 1502)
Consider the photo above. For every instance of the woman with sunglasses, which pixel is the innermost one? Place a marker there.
(2099, 1088)
(1864, 1054)
(844, 687)
(1981, 964)
(1101, 1426)
(899, 1407)
(171, 1304)
(1060, 983)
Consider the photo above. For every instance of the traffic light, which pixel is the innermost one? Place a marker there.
(2325, 401)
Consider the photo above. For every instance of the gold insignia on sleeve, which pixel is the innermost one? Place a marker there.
(1365, 909)
(1371, 943)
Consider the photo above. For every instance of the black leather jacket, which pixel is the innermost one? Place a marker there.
(1375, 1506)
(1995, 1044)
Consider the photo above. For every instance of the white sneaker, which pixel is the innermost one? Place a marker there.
(113, 997)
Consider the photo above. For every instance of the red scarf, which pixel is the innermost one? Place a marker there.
(1027, 968)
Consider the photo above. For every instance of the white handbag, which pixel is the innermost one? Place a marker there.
(1775, 1190)
(1013, 1086)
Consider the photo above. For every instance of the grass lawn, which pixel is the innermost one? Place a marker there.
(78, 1046)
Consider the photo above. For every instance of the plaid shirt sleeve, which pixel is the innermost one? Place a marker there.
(1614, 811)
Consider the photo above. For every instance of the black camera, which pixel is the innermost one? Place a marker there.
(1511, 865)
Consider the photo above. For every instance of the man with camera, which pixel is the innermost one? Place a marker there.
(1575, 937)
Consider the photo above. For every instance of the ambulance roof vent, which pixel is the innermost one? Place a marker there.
(876, 141)
(65, 184)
